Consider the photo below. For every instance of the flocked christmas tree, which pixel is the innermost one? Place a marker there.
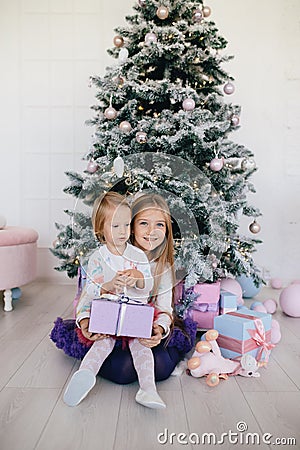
(162, 123)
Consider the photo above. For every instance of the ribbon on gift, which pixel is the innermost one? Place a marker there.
(204, 307)
(259, 338)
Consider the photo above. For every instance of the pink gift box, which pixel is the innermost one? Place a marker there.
(121, 318)
(206, 307)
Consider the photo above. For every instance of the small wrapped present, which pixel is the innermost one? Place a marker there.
(244, 332)
(121, 317)
(228, 302)
(206, 304)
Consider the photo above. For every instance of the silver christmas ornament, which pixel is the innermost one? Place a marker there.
(229, 88)
(162, 12)
(188, 104)
(248, 164)
(141, 137)
(110, 113)
(197, 15)
(150, 38)
(235, 120)
(119, 166)
(125, 126)
(254, 227)
(123, 54)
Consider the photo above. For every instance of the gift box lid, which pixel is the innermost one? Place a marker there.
(207, 292)
(236, 324)
(228, 299)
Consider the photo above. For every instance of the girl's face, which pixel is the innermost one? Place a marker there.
(149, 229)
(116, 228)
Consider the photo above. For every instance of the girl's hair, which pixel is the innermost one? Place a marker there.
(102, 204)
(163, 255)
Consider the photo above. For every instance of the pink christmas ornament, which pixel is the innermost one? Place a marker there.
(150, 38)
(188, 104)
(235, 120)
(229, 88)
(276, 283)
(216, 164)
(275, 332)
(295, 282)
(231, 285)
(162, 12)
(92, 167)
(260, 308)
(290, 300)
(197, 15)
(271, 305)
(206, 11)
(110, 113)
(125, 126)
(141, 137)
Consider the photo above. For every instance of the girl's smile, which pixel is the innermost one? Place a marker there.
(149, 229)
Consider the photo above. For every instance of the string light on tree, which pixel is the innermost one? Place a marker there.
(162, 12)
(254, 227)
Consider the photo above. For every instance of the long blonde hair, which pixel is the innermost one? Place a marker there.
(163, 255)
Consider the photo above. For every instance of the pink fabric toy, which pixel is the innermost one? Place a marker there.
(208, 361)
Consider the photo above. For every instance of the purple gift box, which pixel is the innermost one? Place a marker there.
(206, 306)
(121, 318)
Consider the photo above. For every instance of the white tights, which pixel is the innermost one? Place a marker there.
(142, 359)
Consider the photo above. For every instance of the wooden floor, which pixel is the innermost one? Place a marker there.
(34, 374)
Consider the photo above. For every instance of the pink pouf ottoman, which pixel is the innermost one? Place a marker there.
(17, 260)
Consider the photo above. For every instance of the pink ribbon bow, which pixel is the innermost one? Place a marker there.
(259, 336)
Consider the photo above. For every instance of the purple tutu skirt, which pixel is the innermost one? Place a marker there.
(66, 337)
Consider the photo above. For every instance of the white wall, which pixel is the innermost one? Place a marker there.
(48, 50)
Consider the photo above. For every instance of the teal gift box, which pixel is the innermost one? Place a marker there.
(228, 302)
(244, 332)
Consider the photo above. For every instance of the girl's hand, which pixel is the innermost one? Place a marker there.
(84, 325)
(155, 338)
(133, 277)
(114, 286)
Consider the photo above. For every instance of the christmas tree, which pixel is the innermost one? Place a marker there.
(161, 124)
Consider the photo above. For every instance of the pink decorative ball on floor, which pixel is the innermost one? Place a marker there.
(270, 305)
(275, 332)
(276, 283)
(260, 308)
(231, 285)
(290, 300)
